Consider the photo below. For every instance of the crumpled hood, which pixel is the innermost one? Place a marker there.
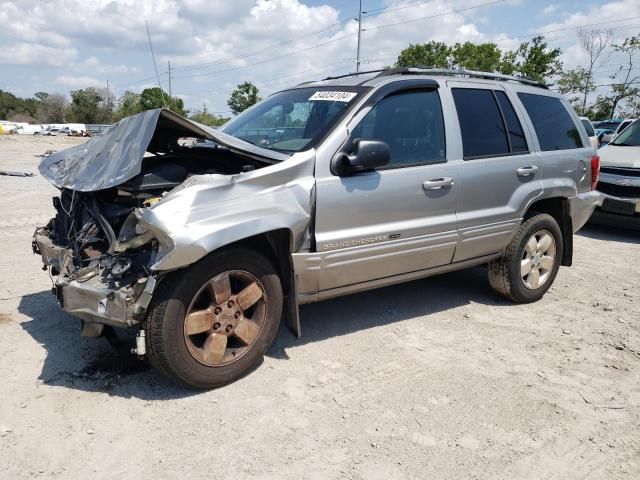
(625, 157)
(116, 155)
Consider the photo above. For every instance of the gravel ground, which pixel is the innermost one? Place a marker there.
(437, 378)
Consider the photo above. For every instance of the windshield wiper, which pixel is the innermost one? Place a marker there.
(623, 144)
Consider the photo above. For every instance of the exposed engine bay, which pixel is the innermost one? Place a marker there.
(95, 244)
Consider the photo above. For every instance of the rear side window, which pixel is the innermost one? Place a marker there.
(551, 120)
(483, 132)
(588, 127)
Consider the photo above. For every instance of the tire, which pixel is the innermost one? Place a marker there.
(196, 359)
(506, 274)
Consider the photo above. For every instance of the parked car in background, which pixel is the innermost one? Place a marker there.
(620, 180)
(601, 133)
(52, 131)
(386, 177)
(28, 129)
(588, 126)
(610, 124)
(619, 129)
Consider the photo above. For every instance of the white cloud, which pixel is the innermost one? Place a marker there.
(549, 9)
(24, 53)
(78, 41)
(78, 82)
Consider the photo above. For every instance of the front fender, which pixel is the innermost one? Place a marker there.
(213, 211)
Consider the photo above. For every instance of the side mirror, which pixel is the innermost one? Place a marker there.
(367, 155)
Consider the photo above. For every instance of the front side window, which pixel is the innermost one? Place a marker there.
(411, 124)
(293, 120)
(551, 121)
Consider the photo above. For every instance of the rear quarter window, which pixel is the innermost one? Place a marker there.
(588, 128)
(551, 121)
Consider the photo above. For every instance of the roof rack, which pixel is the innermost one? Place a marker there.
(423, 70)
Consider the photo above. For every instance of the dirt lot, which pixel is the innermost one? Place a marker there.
(437, 378)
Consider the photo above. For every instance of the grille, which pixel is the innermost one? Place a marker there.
(619, 190)
(627, 172)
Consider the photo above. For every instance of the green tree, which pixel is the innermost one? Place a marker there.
(536, 60)
(600, 109)
(432, 54)
(573, 84)
(207, 118)
(244, 96)
(128, 104)
(157, 98)
(52, 107)
(508, 62)
(484, 57)
(91, 105)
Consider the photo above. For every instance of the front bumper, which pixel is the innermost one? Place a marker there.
(621, 199)
(618, 212)
(87, 296)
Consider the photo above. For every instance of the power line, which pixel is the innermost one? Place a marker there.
(296, 52)
(507, 44)
(458, 10)
(262, 50)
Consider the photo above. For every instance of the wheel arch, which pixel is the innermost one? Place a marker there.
(277, 245)
(558, 208)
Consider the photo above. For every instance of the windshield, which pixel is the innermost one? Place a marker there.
(629, 137)
(293, 120)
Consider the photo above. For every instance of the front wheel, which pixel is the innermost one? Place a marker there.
(213, 322)
(530, 263)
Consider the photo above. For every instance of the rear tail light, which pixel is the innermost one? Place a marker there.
(595, 171)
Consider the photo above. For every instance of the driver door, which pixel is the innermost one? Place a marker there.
(396, 219)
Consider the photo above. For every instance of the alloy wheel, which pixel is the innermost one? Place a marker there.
(538, 259)
(225, 318)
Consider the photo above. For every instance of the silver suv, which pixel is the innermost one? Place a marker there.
(202, 239)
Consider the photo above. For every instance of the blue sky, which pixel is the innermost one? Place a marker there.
(215, 44)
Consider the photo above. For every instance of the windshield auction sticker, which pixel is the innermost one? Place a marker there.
(333, 96)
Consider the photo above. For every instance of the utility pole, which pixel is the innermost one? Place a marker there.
(359, 35)
(170, 95)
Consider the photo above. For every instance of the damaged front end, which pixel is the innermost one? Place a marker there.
(100, 277)
(124, 213)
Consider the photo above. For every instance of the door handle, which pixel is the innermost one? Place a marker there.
(527, 171)
(437, 183)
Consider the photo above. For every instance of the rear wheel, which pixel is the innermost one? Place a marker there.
(530, 263)
(214, 321)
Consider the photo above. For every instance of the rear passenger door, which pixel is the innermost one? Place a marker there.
(565, 154)
(500, 174)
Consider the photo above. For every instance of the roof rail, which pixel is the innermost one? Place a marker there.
(355, 74)
(422, 70)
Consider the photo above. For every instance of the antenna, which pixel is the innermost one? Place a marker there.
(153, 57)
(359, 35)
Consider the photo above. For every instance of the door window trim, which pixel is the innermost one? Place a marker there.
(510, 153)
(393, 89)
